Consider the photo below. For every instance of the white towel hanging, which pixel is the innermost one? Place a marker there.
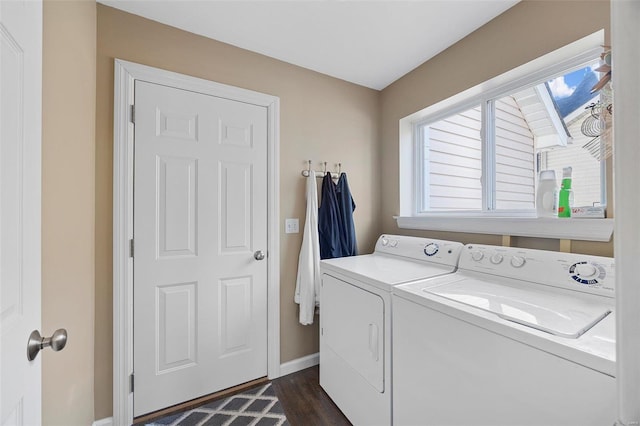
(308, 279)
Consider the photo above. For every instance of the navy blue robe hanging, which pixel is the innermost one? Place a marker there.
(336, 231)
(328, 221)
(346, 206)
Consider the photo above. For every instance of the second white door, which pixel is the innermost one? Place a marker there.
(20, 202)
(200, 227)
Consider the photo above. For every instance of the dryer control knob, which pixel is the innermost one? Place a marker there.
(477, 256)
(393, 243)
(496, 258)
(431, 249)
(518, 261)
(586, 270)
(385, 242)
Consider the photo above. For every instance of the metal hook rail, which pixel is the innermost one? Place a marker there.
(321, 174)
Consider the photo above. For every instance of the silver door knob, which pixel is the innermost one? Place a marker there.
(36, 342)
(259, 255)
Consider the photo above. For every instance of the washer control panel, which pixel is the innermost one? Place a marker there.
(422, 249)
(591, 274)
(586, 272)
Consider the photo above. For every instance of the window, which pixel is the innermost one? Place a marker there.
(484, 157)
(470, 163)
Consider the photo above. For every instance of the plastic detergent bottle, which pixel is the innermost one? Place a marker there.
(565, 198)
(547, 194)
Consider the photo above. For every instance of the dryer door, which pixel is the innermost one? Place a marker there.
(353, 328)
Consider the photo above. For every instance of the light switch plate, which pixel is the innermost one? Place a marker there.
(291, 226)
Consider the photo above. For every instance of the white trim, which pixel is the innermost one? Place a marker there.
(625, 36)
(103, 422)
(273, 243)
(122, 232)
(125, 75)
(488, 154)
(299, 364)
(560, 228)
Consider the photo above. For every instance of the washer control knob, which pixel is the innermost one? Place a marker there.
(431, 249)
(496, 258)
(586, 270)
(385, 242)
(477, 256)
(393, 243)
(518, 261)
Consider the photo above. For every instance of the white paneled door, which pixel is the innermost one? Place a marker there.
(20, 174)
(200, 236)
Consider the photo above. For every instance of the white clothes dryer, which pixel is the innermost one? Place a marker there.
(514, 337)
(355, 320)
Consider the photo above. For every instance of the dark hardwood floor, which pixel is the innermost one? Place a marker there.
(304, 401)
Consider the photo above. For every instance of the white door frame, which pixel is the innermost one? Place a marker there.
(123, 133)
(626, 66)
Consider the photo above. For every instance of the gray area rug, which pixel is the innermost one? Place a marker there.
(258, 406)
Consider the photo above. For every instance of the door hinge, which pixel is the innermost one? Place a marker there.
(131, 247)
(131, 383)
(322, 331)
(133, 114)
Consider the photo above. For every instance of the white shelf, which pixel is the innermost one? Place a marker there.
(558, 228)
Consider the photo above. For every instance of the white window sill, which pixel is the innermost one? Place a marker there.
(559, 228)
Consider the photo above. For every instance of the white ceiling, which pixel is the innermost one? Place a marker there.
(367, 42)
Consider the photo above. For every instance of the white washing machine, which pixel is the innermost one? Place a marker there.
(514, 337)
(355, 320)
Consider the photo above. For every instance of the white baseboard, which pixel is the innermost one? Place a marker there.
(299, 364)
(103, 422)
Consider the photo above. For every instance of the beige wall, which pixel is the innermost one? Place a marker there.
(321, 118)
(528, 30)
(68, 170)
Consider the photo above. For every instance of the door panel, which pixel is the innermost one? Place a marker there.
(176, 126)
(200, 212)
(176, 308)
(235, 315)
(177, 182)
(20, 193)
(235, 201)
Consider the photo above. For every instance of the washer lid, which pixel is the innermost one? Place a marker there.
(385, 270)
(552, 312)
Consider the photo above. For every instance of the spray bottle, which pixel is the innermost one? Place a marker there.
(565, 198)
